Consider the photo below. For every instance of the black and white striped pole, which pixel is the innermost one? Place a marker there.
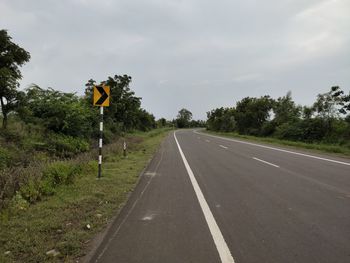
(101, 99)
(100, 143)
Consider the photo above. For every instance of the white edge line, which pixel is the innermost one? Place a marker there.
(221, 246)
(265, 162)
(277, 149)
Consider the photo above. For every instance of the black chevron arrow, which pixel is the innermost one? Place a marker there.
(103, 97)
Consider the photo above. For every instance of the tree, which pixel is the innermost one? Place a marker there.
(252, 113)
(285, 110)
(162, 122)
(60, 112)
(329, 106)
(11, 58)
(183, 118)
(125, 112)
(221, 119)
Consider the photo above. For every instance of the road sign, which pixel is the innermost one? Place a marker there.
(101, 96)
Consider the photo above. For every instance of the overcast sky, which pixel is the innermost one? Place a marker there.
(197, 54)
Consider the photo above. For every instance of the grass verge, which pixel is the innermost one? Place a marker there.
(65, 222)
(315, 147)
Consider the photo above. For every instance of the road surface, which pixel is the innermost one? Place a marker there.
(210, 199)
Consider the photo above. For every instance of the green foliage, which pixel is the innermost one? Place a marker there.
(66, 146)
(291, 131)
(12, 57)
(56, 174)
(58, 221)
(252, 113)
(162, 122)
(59, 112)
(283, 119)
(31, 191)
(146, 121)
(197, 123)
(5, 157)
(125, 112)
(285, 110)
(183, 118)
(221, 119)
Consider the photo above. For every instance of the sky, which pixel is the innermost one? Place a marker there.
(193, 54)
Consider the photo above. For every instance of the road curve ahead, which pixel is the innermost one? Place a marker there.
(205, 198)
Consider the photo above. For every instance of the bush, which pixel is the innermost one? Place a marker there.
(66, 146)
(31, 191)
(289, 131)
(5, 158)
(56, 174)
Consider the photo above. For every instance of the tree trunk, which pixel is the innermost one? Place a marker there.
(4, 113)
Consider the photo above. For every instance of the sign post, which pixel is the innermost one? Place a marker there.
(101, 99)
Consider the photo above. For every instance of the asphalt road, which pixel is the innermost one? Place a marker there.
(211, 199)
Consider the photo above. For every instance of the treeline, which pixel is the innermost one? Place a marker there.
(184, 120)
(73, 115)
(327, 120)
(42, 128)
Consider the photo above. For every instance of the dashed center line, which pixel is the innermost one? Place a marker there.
(257, 159)
(207, 140)
(223, 146)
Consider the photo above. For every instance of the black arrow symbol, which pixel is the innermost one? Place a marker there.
(103, 97)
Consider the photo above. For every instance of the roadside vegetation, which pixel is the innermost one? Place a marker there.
(184, 120)
(324, 126)
(49, 196)
(44, 130)
(60, 227)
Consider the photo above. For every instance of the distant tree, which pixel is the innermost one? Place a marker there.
(197, 124)
(307, 112)
(162, 122)
(252, 113)
(183, 118)
(12, 57)
(146, 121)
(124, 112)
(221, 119)
(285, 110)
(329, 106)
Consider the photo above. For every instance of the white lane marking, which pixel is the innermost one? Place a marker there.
(221, 246)
(266, 162)
(207, 140)
(277, 149)
(223, 146)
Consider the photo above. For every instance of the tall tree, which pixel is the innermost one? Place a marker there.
(183, 118)
(12, 57)
(285, 110)
(330, 105)
(252, 113)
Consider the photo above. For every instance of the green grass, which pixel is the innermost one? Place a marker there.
(59, 221)
(339, 150)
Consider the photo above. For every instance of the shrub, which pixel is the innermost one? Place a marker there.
(289, 131)
(66, 146)
(56, 174)
(31, 191)
(5, 157)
